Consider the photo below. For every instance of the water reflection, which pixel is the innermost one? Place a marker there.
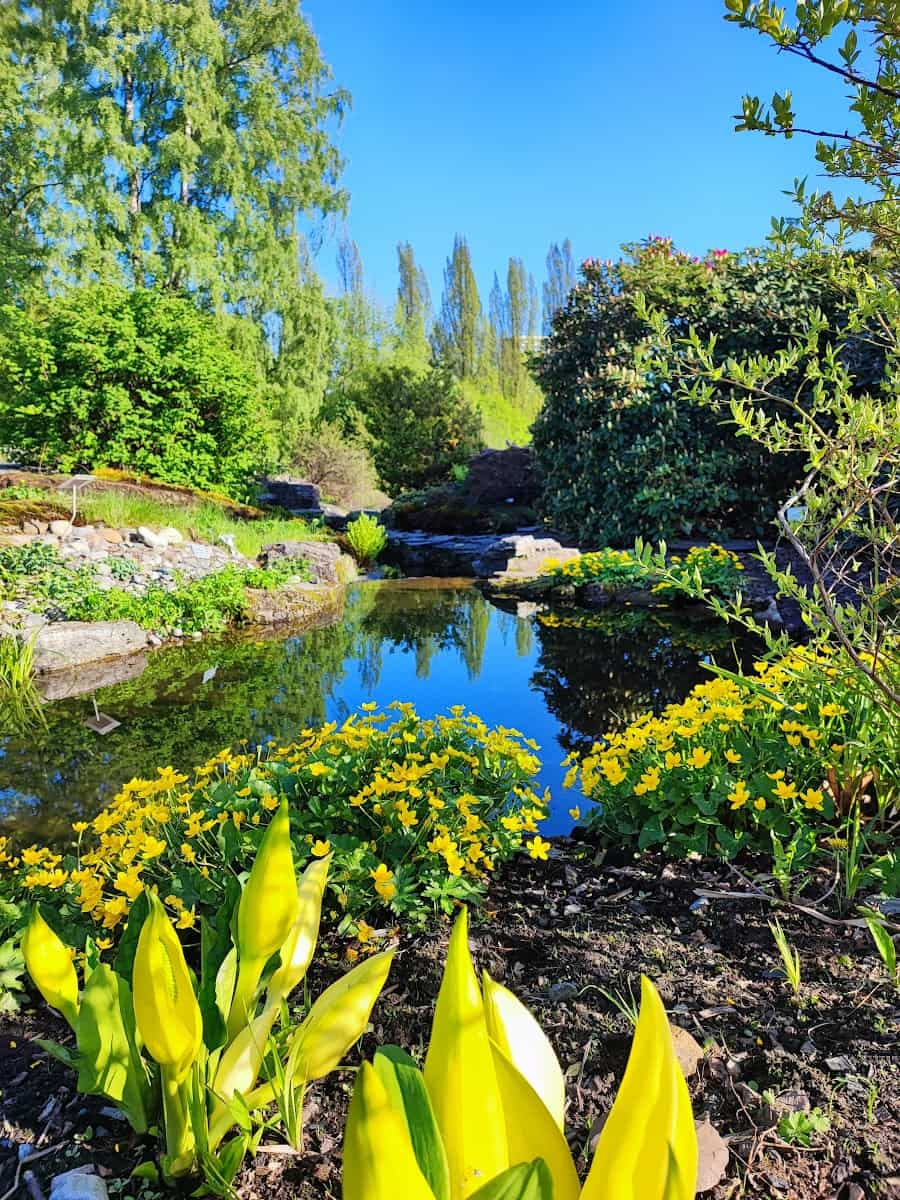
(561, 679)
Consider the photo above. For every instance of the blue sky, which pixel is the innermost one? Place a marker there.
(518, 124)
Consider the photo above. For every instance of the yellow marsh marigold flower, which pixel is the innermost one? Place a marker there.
(575, 813)
(732, 756)
(699, 757)
(759, 804)
(320, 848)
(785, 791)
(739, 797)
(363, 932)
(318, 768)
(832, 710)
(537, 848)
(813, 799)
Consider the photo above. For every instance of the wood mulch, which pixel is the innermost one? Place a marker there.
(566, 936)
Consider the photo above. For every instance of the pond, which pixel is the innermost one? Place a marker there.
(561, 677)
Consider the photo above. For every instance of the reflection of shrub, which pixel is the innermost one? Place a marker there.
(367, 538)
(417, 815)
(340, 467)
(794, 754)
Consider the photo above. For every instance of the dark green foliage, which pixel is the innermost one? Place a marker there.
(104, 377)
(419, 423)
(621, 453)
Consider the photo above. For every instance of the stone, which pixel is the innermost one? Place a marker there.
(151, 539)
(112, 536)
(172, 536)
(65, 644)
(60, 528)
(35, 527)
(15, 539)
(294, 495)
(322, 558)
(501, 477)
(79, 1184)
(521, 555)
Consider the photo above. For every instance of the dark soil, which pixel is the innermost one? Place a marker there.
(562, 934)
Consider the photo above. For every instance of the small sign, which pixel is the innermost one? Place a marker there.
(209, 674)
(102, 723)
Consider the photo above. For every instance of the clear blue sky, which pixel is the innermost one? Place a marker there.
(521, 122)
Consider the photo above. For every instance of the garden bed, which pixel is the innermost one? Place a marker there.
(557, 933)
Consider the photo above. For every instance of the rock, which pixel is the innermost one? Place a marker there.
(61, 685)
(294, 495)
(15, 539)
(322, 558)
(502, 477)
(65, 644)
(173, 536)
(113, 536)
(521, 556)
(151, 539)
(79, 1184)
(687, 1049)
(60, 528)
(35, 527)
(558, 992)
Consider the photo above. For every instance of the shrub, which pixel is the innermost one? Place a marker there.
(795, 761)
(416, 813)
(339, 465)
(105, 377)
(718, 570)
(367, 538)
(621, 453)
(419, 422)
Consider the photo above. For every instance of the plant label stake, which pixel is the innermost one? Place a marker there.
(101, 722)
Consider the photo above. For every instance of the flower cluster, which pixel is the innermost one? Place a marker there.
(717, 569)
(415, 813)
(739, 763)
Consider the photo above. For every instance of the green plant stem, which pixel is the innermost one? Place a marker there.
(180, 1146)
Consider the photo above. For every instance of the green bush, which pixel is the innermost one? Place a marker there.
(419, 422)
(139, 380)
(794, 762)
(367, 538)
(416, 813)
(621, 453)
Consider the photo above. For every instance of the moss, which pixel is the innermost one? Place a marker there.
(14, 513)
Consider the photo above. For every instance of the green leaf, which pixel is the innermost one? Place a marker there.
(124, 962)
(405, 1085)
(215, 944)
(109, 1063)
(527, 1181)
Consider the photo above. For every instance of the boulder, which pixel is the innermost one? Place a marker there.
(62, 645)
(521, 555)
(294, 495)
(502, 477)
(322, 558)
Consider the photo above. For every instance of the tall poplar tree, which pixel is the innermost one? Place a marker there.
(186, 142)
(413, 309)
(458, 334)
(561, 278)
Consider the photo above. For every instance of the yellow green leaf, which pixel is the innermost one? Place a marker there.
(648, 1147)
(379, 1162)
(516, 1032)
(165, 1007)
(460, 1075)
(50, 966)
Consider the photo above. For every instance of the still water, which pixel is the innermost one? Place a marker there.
(560, 677)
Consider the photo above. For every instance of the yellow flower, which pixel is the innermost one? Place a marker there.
(699, 757)
(363, 931)
(80, 826)
(785, 791)
(320, 848)
(739, 796)
(832, 710)
(732, 756)
(537, 848)
(813, 799)
(673, 760)
(186, 919)
(318, 768)
(759, 804)
(575, 813)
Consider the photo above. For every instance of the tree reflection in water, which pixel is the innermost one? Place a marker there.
(561, 678)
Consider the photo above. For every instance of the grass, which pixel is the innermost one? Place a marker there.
(20, 703)
(205, 522)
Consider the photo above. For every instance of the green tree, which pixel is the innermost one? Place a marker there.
(185, 143)
(561, 278)
(458, 336)
(858, 43)
(133, 379)
(419, 423)
(413, 311)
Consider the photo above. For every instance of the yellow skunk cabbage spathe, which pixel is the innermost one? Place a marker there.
(165, 1007)
(266, 913)
(485, 1120)
(49, 963)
